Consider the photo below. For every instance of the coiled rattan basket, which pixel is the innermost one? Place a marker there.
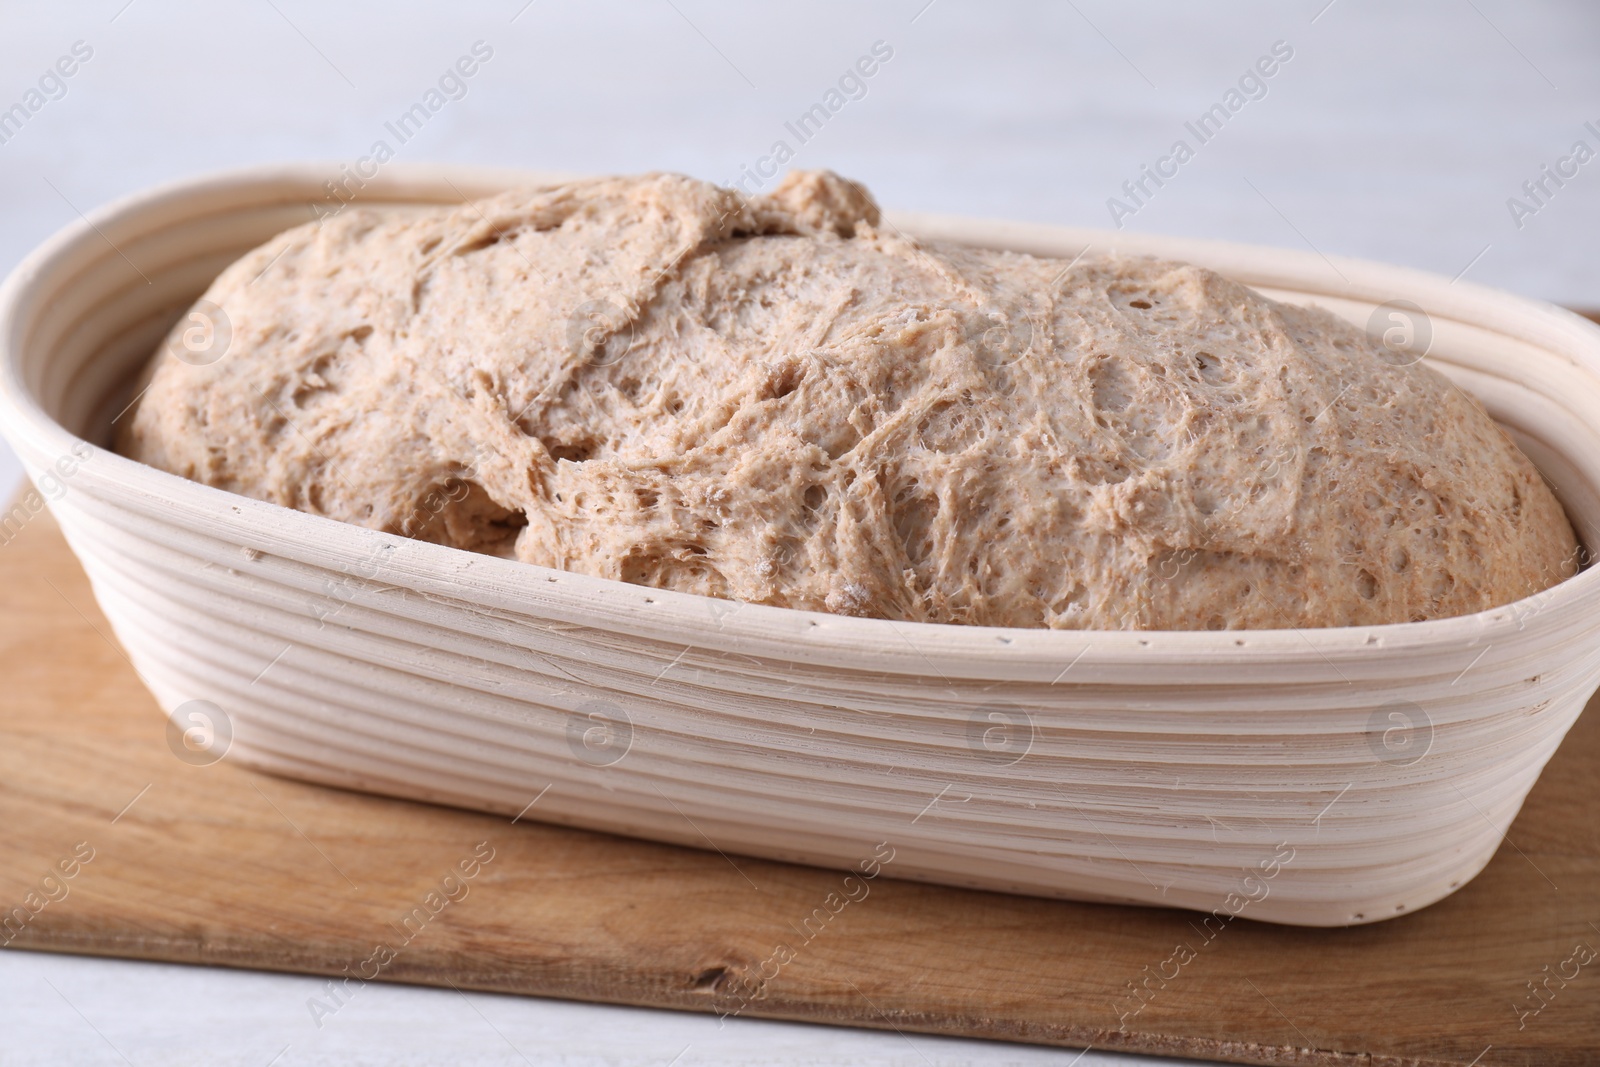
(1315, 777)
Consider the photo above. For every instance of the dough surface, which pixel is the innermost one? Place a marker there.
(785, 401)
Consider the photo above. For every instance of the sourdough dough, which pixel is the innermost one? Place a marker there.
(785, 401)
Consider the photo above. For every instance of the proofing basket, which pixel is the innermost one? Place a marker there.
(1314, 777)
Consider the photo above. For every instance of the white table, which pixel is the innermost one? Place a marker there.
(1396, 135)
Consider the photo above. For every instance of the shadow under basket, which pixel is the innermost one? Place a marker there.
(1314, 777)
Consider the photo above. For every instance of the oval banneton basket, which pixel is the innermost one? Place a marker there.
(1315, 777)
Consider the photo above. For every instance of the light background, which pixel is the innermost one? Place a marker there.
(1396, 132)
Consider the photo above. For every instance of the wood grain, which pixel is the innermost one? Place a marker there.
(221, 865)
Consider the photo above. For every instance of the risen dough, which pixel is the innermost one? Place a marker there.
(786, 402)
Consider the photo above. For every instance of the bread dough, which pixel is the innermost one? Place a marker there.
(786, 401)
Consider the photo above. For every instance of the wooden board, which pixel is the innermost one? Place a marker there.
(220, 865)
